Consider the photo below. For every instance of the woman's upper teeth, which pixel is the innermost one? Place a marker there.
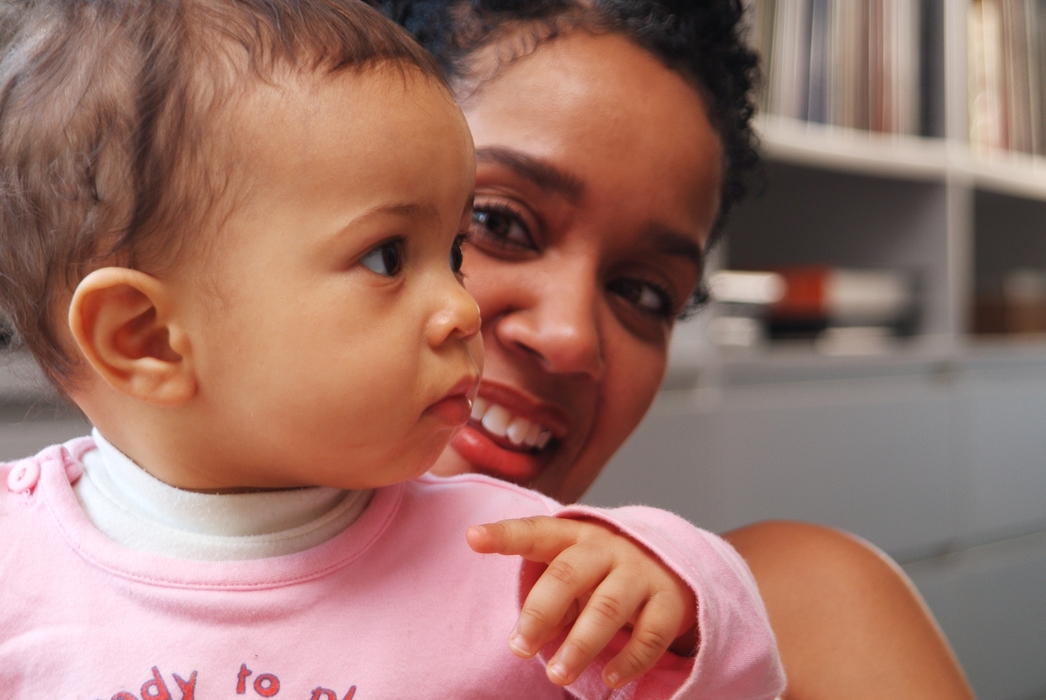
(498, 420)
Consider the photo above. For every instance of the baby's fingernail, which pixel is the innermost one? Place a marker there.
(520, 645)
(613, 679)
(558, 669)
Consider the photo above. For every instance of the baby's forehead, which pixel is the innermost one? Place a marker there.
(276, 126)
(337, 145)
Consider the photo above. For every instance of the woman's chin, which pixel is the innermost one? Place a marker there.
(473, 451)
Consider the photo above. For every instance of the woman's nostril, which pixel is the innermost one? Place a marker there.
(557, 341)
(565, 355)
(530, 351)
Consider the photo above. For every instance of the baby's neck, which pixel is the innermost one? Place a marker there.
(141, 512)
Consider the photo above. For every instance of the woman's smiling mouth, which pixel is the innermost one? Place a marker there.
(500, 422)
(510, 434)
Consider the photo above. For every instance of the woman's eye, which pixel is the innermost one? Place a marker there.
(455, 254)
(500, 226)
(647, 298)
(385, 259)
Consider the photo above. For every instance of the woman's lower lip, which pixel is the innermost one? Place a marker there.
(488, 457)
(453, 410)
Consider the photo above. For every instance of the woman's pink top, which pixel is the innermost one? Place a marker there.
(396, 606)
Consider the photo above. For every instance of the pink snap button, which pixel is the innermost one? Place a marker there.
(24, 476)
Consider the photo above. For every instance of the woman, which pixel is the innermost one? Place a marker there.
(612, 138)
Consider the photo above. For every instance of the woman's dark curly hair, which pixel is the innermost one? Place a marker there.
(700, 39)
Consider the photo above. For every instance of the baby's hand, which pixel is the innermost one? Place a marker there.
(612, 581)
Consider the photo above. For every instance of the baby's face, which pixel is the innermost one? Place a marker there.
(335, 343)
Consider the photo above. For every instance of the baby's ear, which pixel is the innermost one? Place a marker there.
(123, 323)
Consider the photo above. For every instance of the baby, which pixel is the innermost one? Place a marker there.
(231, 234)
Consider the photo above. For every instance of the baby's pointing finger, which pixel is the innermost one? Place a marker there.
(540, 538)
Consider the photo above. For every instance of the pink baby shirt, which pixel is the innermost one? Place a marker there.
(395, 606)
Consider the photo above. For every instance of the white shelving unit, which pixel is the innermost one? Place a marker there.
(935, 450)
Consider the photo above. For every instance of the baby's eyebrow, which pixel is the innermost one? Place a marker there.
(410, 210)
(541, 173)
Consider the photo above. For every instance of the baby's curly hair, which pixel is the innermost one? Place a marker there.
(700, 39)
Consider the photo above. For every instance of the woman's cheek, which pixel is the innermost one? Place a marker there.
(636, 372)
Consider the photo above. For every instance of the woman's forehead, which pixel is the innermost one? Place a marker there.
(600, 116)
(597, 90)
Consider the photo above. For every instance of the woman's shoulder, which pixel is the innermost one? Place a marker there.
(848, 621)
(816, 544)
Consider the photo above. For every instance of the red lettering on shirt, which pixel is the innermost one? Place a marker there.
(188, 687)
(155, 689)
(241, 679)
(327, 694)
(266, 685)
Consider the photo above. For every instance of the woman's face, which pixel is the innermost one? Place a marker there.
(597, 184)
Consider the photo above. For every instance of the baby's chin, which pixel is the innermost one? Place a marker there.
(450, 463)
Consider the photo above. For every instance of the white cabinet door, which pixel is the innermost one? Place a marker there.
(871, 456)
(1002, 429)
(991, 603)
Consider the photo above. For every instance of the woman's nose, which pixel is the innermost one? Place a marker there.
(456, 317)
(558, 324)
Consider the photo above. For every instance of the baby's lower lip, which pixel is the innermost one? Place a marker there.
(453, 410)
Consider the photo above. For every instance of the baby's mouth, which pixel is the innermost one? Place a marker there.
(508, 429)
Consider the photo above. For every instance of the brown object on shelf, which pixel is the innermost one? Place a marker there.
(989, 316)
(995, 316)
(1026, 318)
(1024, 291)
(1021, 308)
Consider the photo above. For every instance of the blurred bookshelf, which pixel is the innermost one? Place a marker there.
(894, 146)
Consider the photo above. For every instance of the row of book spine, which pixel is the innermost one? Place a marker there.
(1006, 76)
(849, 63)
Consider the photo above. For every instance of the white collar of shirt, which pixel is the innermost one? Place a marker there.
(140, 512)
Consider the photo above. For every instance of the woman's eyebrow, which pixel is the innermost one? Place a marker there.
(671, 242)
(541, 173)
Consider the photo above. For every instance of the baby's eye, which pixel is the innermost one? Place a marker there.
(500, 226)
(385, 259)
(648, 298)
(455, 254)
